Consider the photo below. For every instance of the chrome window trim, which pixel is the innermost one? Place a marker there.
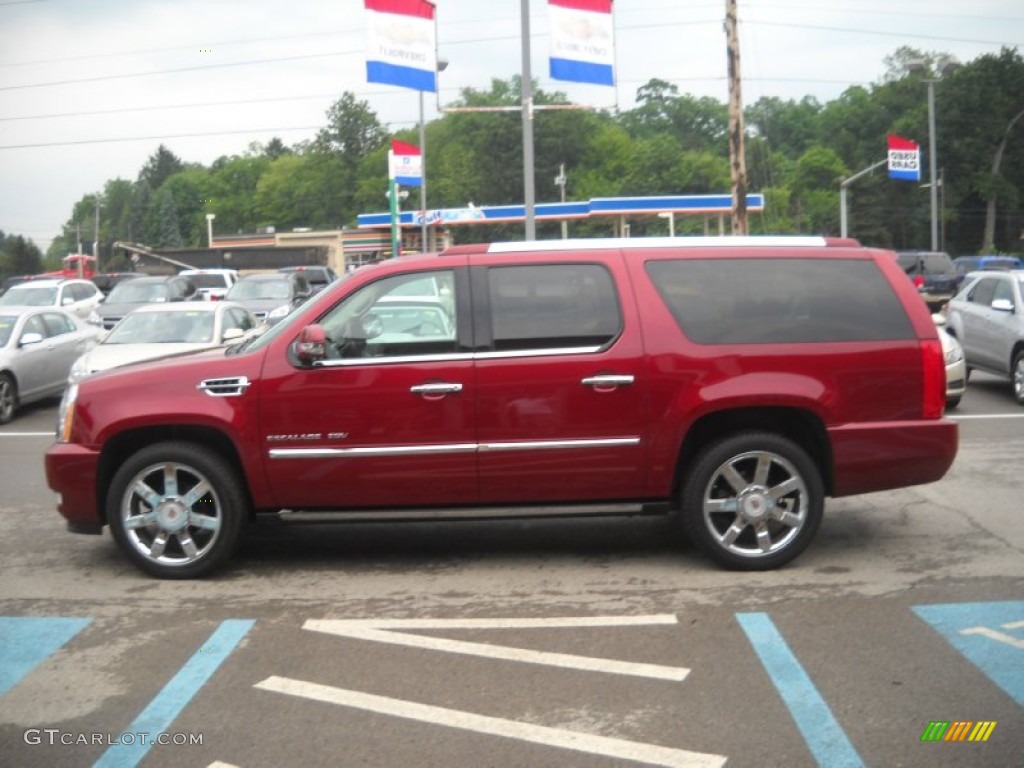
(459, 357)
(450, 448)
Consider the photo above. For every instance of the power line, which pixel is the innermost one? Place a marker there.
(160, 138)
(175, 71)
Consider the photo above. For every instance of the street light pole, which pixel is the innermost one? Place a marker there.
(933, 187)
(209, 229)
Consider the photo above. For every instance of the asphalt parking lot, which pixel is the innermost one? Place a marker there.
(896, 639)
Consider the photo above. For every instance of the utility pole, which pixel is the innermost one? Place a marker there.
(96, 240)
(560, 181)
(737, 152)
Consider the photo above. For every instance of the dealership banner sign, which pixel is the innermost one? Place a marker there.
(904, 159)
(406, 164)
(401, 44)
(582, 41)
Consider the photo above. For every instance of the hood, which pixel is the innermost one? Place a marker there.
(105, 356)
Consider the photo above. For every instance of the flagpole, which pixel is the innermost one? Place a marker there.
(396, 242)
(527, 95)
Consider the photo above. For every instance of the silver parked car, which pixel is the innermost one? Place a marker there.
(987, 317)
(37, 347)
(158, 330)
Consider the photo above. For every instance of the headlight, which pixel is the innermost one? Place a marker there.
(79, 370)
(278, 312)
(66, 412)
(954, 353)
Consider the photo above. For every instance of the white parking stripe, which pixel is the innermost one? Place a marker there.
(367, 630)
(632, 751)
(981, 416)
(557, 621)
(27, 434)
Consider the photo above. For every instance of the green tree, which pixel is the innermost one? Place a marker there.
(164, 221)
(160, 166)
(21, 256)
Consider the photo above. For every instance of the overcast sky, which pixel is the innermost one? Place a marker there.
(88, 90)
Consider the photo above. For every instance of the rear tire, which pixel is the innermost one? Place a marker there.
(176, 509)
(752, 501)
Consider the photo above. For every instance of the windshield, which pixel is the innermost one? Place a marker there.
(259, 289)
(210, 280)
(184, 327)
(138, 293)
(35, 296)
(6, 327)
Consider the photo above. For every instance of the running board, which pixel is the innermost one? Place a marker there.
(471, 513)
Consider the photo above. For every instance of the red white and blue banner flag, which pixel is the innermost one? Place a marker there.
(405, 164)
(904, 159)
(401, 45)
(582, 41)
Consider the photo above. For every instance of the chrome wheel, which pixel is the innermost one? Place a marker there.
(176, 509)
(171, 514)
(8, 398)
(753, 501)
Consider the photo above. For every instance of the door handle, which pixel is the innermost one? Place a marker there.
(608, 381)
(437, 390)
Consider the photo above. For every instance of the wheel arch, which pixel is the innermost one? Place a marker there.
(799, 425)
(118, 448)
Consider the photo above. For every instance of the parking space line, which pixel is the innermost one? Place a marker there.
(372, 631)
(818, 726)
(636, 752)
(28, 640)
(970, 628)
(169, 703)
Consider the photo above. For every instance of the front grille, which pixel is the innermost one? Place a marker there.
(231, 386)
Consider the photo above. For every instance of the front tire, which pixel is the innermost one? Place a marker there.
(1017, 378)
(8, 398)
(176, 510)
(752, 501)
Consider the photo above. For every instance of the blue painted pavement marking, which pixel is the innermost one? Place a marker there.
(26, 641)
(990, 635)
(167, 705)
(819, 727)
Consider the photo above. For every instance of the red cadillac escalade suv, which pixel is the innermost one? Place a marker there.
(731, 382)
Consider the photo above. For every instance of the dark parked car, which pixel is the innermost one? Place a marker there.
(270, 295)
(965, 264)
(130, 294)
(932, 273)
(317, 277)
(106, 281)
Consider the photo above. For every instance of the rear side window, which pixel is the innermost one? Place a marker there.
(769, 301)
(551, 306)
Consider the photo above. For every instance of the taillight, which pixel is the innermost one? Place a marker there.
(918, 281)
(933, 367)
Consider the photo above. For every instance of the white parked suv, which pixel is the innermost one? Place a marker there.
(212, 283)
(80, 297)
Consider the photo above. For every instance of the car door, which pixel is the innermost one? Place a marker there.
(559, 381)
(66, 341)
(1002, 323)
(32, 362)
(386, 421)
(974, 312)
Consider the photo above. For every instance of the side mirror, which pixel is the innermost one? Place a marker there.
(1003, 305)
(28, 339)
(67, 300)
(233, 335)
(311, 346)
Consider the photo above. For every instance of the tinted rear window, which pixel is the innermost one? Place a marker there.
(765, 301)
